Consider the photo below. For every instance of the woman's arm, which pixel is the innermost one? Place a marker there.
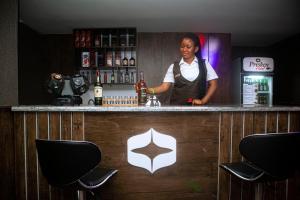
(159, 89)
(212, 87)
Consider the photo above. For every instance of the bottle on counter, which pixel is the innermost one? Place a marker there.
(141, 89)
(98, 89)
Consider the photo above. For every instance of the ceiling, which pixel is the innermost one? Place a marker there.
(250, 22)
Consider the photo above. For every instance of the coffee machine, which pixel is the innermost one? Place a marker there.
(67, 89)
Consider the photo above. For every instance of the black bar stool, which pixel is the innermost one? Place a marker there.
(268, 157)
(72, 164)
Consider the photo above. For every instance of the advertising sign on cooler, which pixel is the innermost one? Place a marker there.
(258, 64)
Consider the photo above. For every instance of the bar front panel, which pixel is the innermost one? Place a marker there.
(203, 141)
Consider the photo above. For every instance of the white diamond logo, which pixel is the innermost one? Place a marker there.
(144, 161)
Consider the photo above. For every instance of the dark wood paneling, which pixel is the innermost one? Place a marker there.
(43, 133)
(20, 156)
(31, 159)
(248, 189)
(294, 183)
(225, 154)
(7, 154)
(197, 139)
(54, 134)
(237, 135)
(203, 141)
(77, 126)
(66, 126)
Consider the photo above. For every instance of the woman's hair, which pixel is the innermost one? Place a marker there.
(193, 37)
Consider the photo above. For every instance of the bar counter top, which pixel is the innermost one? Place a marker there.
(209, 108)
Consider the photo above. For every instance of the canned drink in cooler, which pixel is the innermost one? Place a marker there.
(85, 59)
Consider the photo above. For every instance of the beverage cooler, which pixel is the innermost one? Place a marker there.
(256, 81)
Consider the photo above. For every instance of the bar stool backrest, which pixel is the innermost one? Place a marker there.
(64, 162)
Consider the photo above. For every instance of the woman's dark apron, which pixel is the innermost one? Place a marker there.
(184, 89)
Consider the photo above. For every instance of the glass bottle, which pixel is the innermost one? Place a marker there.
(132, 60)
(125, 60)
(112, 78)
(98, 89)
(141, 88)
(127, 79)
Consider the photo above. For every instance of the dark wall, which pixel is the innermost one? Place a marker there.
(287, 72)
(40, 55)
(7, 154)
(8, 52)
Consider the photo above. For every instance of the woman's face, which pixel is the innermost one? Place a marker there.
(188, 48)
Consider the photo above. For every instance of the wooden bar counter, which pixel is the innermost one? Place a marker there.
(205, 137)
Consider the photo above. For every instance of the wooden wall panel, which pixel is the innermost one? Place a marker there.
(236, 136)
(43, 133)
(194, 132)
(7, 154)
(293, 188)
(77, 126)
(31, 159)
(248, 189)
(54, 134)
(225, 154)
(21, 190)
(268, 189)
(66, 126)
(283, 127)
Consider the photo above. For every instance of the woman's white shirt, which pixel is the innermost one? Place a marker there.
(190, 71)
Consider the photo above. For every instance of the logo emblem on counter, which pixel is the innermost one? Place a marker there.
(147, 139)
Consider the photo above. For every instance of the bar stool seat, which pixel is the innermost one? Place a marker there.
(96, 177)
(243, 170)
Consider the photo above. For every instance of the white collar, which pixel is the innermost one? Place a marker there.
(183, 62)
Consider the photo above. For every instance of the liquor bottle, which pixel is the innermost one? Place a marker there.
(112, 78)
(118, 58)
(127, 79)
(132, 78)
(141, 88)
(125, 61)
(132, 61)
(98, 89)
(105, 77)
(97, 41)
(109, 61)
(121, 77)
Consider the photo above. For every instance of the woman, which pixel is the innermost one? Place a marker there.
(189, 76)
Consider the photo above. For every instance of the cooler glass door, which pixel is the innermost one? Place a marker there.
(257, 89)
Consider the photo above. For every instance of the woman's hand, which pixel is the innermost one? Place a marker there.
(198, 102)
